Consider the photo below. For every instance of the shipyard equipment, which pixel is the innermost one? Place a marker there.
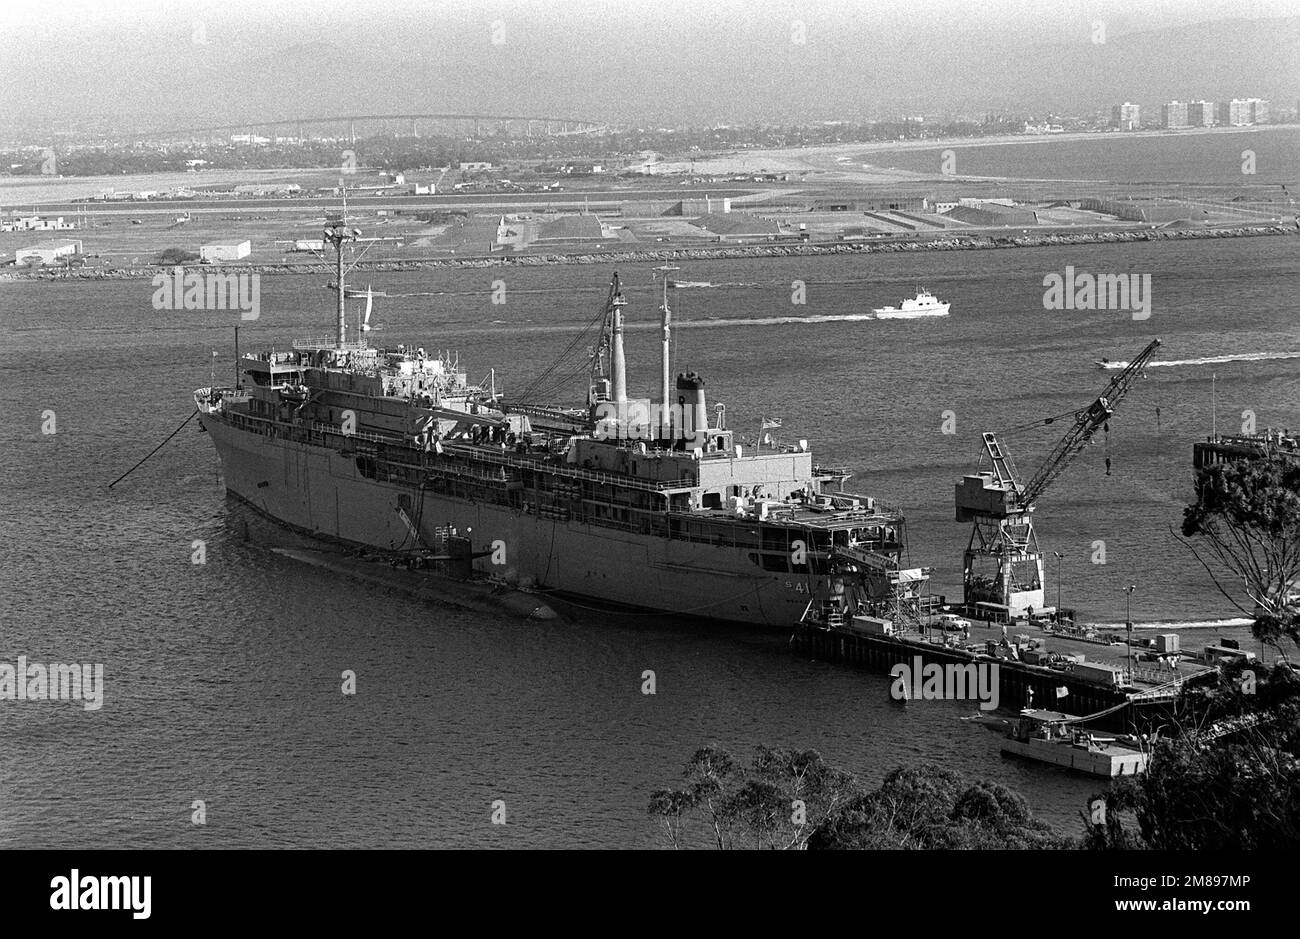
(1003, 571)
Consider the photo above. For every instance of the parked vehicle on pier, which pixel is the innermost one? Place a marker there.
(952, 623)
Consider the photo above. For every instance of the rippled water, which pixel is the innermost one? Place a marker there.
(223, 679)
(1219, 156)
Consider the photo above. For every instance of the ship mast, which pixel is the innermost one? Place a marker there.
(665, 389)
(601, 374)
(337, 234)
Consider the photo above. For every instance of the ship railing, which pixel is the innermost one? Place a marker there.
(265, 426)
(866, 556)
(323, 428)
(273, 428)
(563, 469)
(880, 513)
(546, 411)
(871, 503)
(330, 343)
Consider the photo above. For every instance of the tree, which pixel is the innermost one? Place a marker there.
(1246, 518)
(794, 799)
(170, 256)
(1241, 795)
(775, 802)
(1229, 780)
(931, 807)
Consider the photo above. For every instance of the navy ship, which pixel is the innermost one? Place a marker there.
(617, 502)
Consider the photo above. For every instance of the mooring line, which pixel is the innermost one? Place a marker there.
(154, 450)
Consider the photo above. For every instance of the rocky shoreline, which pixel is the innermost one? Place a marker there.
(952, 243)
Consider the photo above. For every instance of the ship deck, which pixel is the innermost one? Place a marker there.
(807, 517)
(489, 462)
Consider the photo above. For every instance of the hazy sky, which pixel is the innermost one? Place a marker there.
(666, 61)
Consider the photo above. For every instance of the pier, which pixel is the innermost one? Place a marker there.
(1133, 703)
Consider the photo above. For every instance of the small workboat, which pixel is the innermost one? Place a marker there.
(1054, 737)
(924, 304)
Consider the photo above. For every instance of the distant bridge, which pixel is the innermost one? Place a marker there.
(359, 126)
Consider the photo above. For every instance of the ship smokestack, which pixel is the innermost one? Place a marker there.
(618, 359)
(694, 410)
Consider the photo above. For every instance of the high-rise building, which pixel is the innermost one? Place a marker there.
(1200, 113)
(1173, 114)
(1240, 112)
(1125, 116)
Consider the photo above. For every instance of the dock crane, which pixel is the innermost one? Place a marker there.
(1003, 567)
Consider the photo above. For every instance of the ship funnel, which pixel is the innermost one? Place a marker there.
(694, 429)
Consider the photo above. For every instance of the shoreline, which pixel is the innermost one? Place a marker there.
(1002, 140)
(854, 160)
(972, 242)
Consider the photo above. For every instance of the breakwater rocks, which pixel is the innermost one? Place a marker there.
(970, 242)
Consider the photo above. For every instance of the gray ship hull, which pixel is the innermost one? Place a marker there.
(319, 491)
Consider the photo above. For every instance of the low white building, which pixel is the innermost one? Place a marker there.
(708, 205)
(210, 254)
(975, 203)
(47, 253)
(36, 223)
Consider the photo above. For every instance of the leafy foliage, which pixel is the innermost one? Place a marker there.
(775, 802)
(931, 807)
(175, 256)
(1230, 783)
(1247, 519)
(794, 799)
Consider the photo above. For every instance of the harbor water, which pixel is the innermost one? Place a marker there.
(222, 679)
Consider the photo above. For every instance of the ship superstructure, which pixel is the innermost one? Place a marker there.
(642, 504)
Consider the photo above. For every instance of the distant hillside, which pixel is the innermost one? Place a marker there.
(662, 72)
